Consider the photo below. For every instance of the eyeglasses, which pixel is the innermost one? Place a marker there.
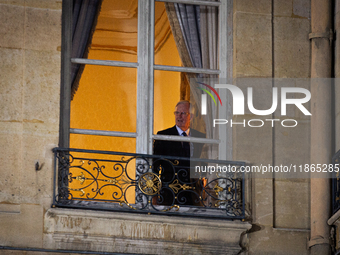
(181, 113)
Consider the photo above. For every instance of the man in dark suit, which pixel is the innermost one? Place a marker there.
(181, 171)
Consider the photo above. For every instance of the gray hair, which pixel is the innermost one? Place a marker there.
(191, 107)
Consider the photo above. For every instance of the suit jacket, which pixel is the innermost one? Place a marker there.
(176, 149)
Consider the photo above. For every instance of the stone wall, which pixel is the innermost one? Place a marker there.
(271, 40)
(30, 40)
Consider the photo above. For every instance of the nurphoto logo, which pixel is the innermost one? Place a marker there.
(239, 104)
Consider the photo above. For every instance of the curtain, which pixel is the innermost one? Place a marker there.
(195, 32)
(84, 18)
(209, 42)
(189, 20)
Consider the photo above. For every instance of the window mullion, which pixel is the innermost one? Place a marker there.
(143, 77)
(150, 113)
(185, 139)
(225, 136)
(102, 132)
(186, 69)
(196, 2)
(85, 61)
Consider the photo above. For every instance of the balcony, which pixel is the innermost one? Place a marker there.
(150, 184)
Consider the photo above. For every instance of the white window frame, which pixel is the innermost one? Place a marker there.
(145, 77)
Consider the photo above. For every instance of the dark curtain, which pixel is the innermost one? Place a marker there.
(189, 22)
(85, 14)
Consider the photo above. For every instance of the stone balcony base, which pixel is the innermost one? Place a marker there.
(72, 229)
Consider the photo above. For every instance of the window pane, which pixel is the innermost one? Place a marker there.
(169, 89)
(166, 52)
(106, 143)
(193, 29)
(166, 96)
(105, 99)
(115, 33)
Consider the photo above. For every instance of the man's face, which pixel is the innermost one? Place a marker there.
(183, 116)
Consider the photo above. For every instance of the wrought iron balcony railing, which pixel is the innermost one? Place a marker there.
(103, 180)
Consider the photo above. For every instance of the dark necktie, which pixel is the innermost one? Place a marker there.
(186, 147)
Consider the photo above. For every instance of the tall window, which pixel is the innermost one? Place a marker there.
(125, 65)
(136, 63)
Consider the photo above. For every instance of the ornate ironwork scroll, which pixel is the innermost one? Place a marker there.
(144, 183)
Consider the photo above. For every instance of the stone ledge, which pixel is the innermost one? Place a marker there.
(136, 233)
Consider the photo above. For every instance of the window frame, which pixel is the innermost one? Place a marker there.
(145, 77)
